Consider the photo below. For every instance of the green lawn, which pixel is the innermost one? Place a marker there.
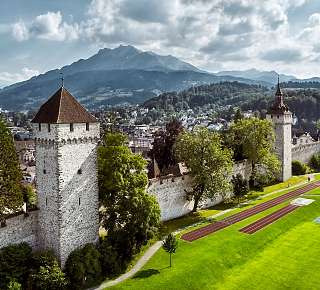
(201, 215)
(284, 255)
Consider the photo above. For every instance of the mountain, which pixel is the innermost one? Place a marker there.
(110, 77)
(253, 74)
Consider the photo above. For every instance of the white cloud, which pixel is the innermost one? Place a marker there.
(212, 34)
(7, 78)
(20, 31)
(49, 26)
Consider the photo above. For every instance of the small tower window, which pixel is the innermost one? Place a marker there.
(80, 171)
(71, 127)
(39, 126)
(44, 171)
(87, 126)
(49, 128)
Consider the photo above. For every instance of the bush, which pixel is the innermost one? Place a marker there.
(14, 285)
(29, 196)
(48, 278)
(83, 267)
(45, 272)
(315, 162)
(298, 168)
(14, 264)
(110, 262)
(240, 186)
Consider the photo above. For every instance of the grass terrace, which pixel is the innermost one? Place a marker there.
(284, 255)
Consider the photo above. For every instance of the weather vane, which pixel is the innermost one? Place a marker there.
(62, 79)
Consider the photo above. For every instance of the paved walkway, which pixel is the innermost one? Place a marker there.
(141, 262)
(155, 247)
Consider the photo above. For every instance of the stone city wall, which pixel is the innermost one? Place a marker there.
(170, 193)
(20, 228)
(303, 153)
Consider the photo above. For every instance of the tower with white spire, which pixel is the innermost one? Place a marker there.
(281, 118)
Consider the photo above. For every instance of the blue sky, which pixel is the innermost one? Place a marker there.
(281, 35)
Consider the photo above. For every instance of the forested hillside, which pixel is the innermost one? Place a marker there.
(303, 99)
(220, 94)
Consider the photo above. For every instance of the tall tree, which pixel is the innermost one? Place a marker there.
(131, 216)
(163, 143)
(11, 197)
(209, 163)
(257, 138)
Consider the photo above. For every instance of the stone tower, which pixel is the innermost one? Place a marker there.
(66, 138)
(281, 118)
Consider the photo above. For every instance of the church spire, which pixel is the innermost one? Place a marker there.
(278, 92)
(279, 105)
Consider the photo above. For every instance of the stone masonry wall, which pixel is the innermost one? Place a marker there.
(170, 193)
(20, 229)
(303, 153)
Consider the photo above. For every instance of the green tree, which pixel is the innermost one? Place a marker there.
(315, 162)
(110, 263)
(14, 264)
(83, 267)
(163, 144)
(11, 198)
(14, 285)
(49, 278)
(208, 162)
(45, 272)
(170, 245)
(298, 168)
(257, 137)
(240, 186)
(238, 115)
(130, 216)
(29, 196)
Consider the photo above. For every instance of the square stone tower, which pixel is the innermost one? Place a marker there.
(66, 137)
(281, 118)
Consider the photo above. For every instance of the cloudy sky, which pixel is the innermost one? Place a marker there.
(281, 35)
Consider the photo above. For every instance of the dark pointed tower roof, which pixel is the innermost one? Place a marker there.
(61, 108)
(278, 106)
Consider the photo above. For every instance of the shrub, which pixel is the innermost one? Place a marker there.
(29, 196)
(45, 272)
(315, 162)
(14, 264)
(83, 267)
(43, 258)
(48, 278)
(298, 168)
(14, 285)
(110, 262)
(240, 186)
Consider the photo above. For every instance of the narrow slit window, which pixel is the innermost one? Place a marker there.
(49, 128)
(46, 201)
(71, 127)
(39, 126)
(87, 127)
(79, 201)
